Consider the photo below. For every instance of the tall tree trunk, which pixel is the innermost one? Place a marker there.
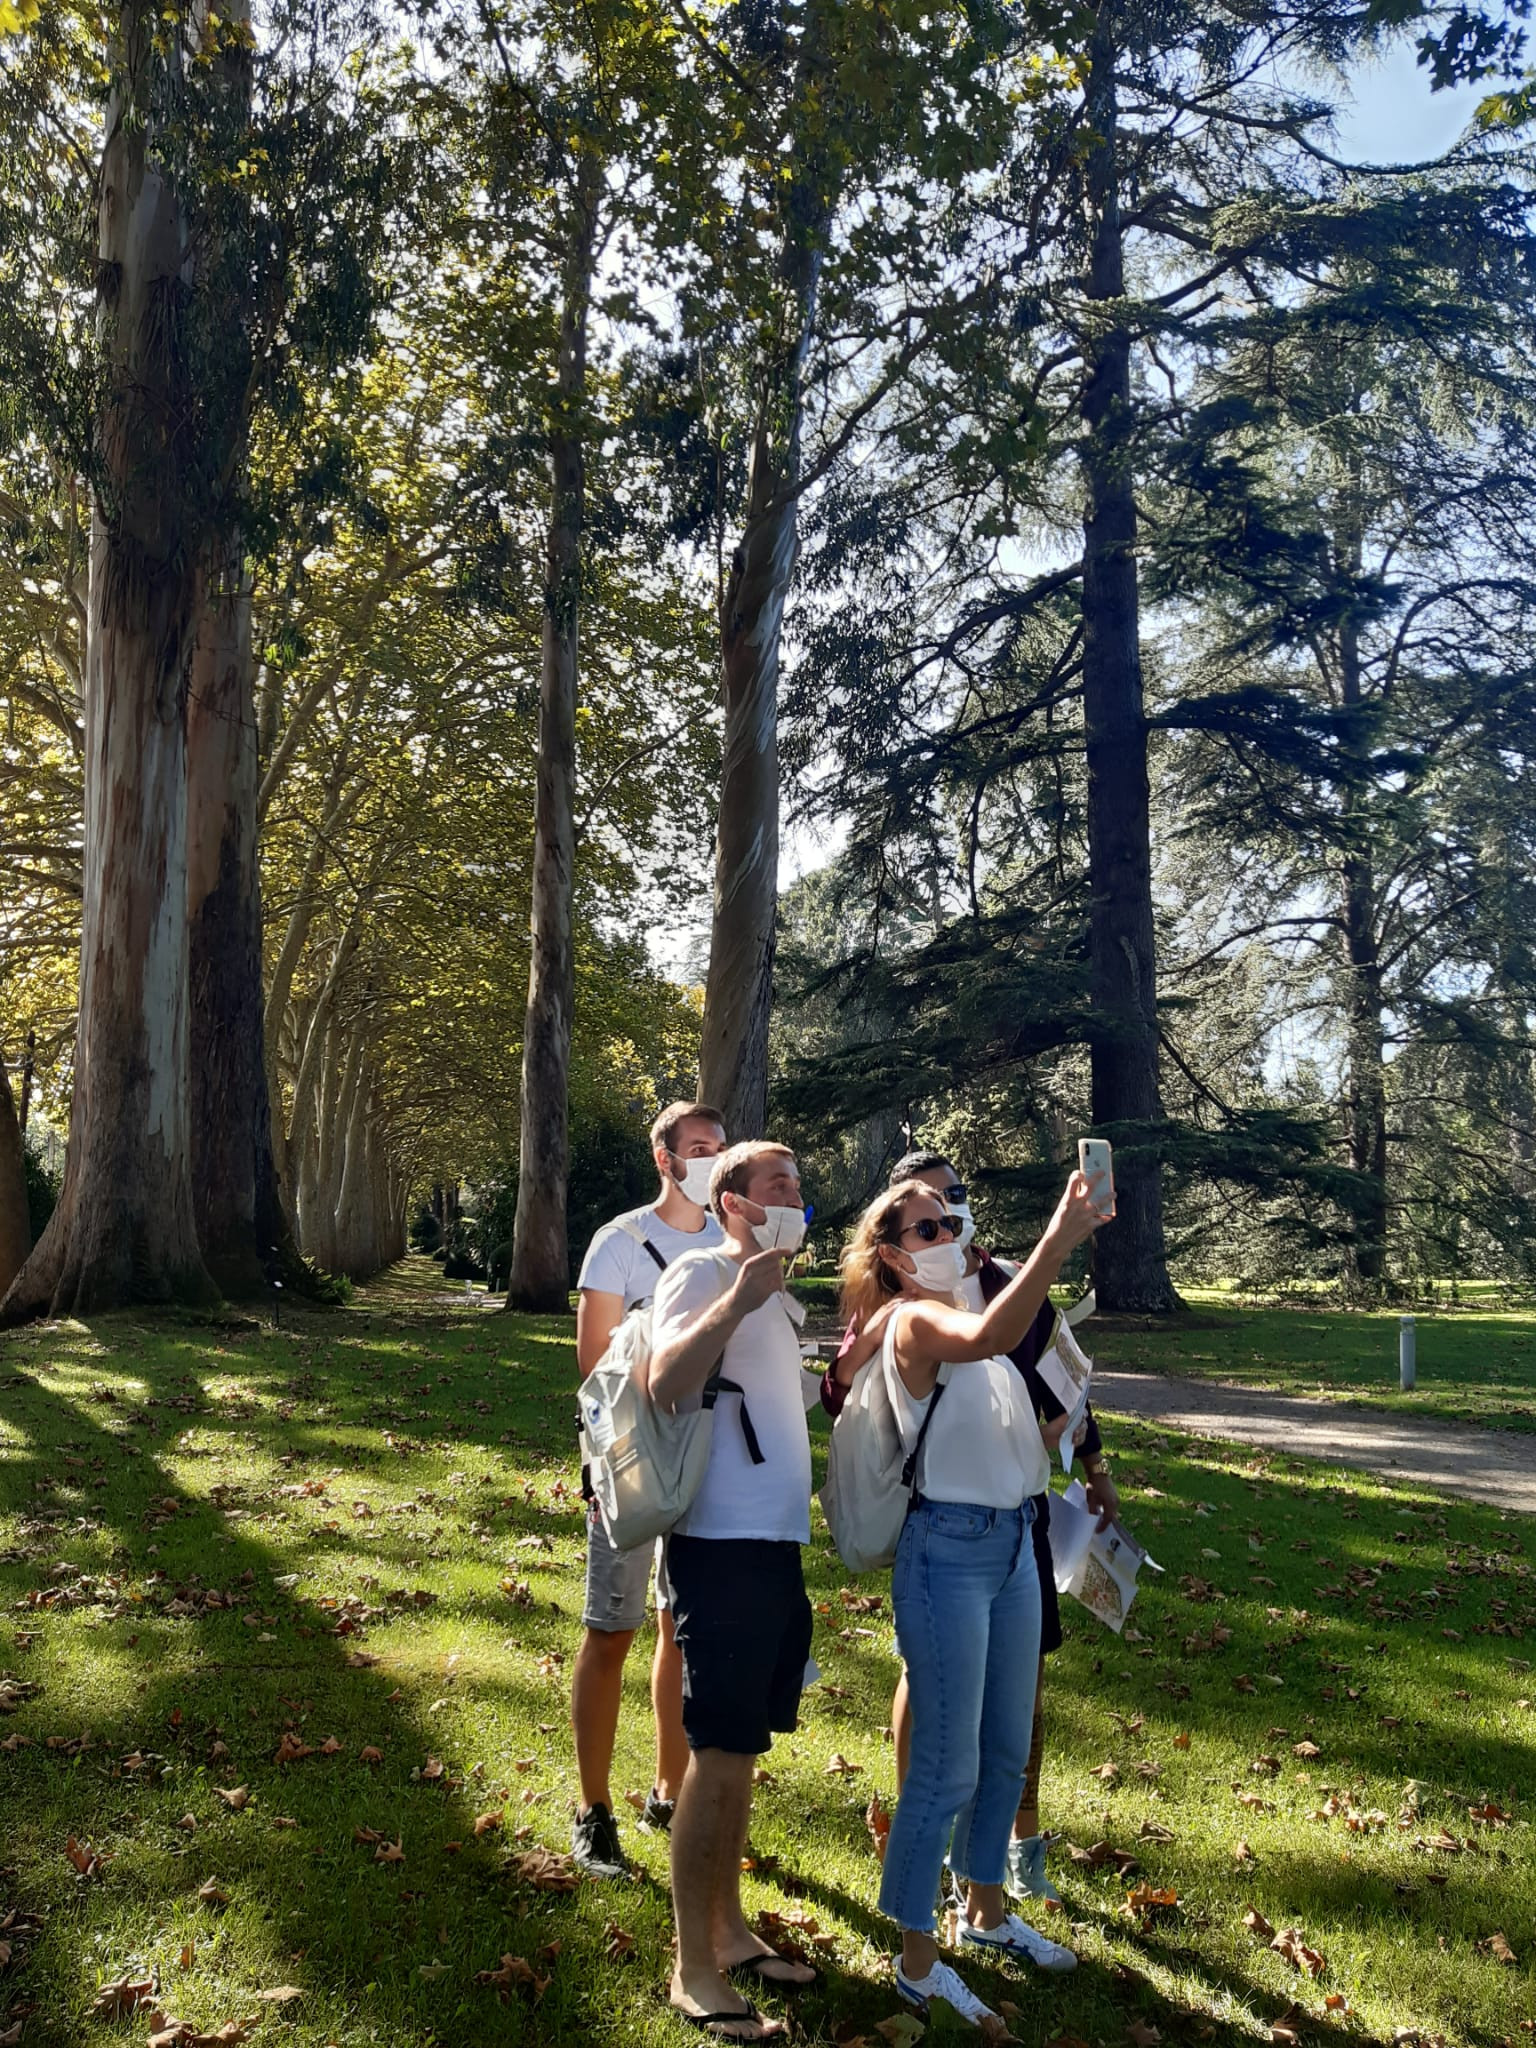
(738, 994)
(1364, 1004)
(241, 1224)
(15, 1219)
(540, 1278)
(124, 1229)
(1130, 1269)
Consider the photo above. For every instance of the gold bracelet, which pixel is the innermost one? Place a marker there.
(1096, 1469)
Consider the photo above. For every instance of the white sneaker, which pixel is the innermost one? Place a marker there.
(942, 1982)
(1014, 1937)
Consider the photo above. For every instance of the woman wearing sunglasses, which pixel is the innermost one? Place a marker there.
(964, 1586)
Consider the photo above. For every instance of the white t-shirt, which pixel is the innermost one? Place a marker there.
(771, 1502)
(617, 1261)
(984, 1447)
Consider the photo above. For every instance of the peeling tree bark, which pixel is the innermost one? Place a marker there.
(241, 1222)
(1129, 1263)
(540, 1277)
(124, 1229)
(738, 995)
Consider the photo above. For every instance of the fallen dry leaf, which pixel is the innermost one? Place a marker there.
(618, 1942)
(237, 1800)
(546, 1871)
(487, 1823)
(514, 1973)
(902, 2030)
(389, 1852)
(1181, 1742)
(1142, 2034)
(878, 1821)
(88, 1861)
(1257, 1925)
(1291, 1943)
(281, 1995)
(1498, 1947)
(369, 1755)
(1145, 1900)
(290, 1750)
(115, 2001)
(839, 1767)
(211, 1895)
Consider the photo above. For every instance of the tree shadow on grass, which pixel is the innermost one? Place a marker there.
(202, 1707)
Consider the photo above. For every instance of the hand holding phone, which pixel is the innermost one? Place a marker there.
(1095, 1160)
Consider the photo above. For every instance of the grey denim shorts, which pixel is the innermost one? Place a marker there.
(618, 1580)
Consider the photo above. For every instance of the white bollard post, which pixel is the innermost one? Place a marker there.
(1407, 1364)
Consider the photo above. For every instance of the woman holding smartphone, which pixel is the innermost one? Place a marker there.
(964, 1586)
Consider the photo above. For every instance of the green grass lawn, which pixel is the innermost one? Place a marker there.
(355, 1543)
(1475, 1363)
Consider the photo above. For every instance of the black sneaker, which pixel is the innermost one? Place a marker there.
(595, 1846)
(657, 1812)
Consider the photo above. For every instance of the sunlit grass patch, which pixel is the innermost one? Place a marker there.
(352, 1724)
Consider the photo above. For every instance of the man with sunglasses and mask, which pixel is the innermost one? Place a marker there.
(623, 1265)
(984, 1279)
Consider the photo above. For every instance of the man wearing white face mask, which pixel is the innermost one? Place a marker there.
(623, 1265)
(739, 1607)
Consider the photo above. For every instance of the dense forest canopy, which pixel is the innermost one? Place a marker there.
(474, 476)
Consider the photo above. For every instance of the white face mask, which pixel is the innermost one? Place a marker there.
(967, 1223)
(694, 1183)
(783, 1230)
(939, 1267)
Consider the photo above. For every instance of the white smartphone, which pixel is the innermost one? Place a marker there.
(1096, 1162)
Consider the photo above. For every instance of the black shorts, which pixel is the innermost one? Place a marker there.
(1050, 1606)
(743, 1625)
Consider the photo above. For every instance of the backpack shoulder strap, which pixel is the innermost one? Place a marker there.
(888, 1358)
(631, 1228)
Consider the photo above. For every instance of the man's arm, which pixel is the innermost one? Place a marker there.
(598, 1315)
(681, 1364)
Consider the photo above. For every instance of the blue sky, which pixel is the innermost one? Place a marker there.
(1396, 118)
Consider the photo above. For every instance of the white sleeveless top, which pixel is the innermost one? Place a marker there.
(984, 1447)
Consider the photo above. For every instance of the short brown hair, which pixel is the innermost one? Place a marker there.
(664, 1130)
(733, 1169)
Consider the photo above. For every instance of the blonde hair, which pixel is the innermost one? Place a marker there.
(733, 1169)
(868, 1280)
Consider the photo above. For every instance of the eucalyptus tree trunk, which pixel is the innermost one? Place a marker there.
(15, 1219)
(540, 1276)
(241, 1223)
(124, 1229)
(738, 994)
(1129, 1264)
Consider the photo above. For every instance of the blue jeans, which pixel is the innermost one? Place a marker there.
(967, 1601)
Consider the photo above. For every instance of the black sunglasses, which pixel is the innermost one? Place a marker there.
(958, 1193)
(929, 1227)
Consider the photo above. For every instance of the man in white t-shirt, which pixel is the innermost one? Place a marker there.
(623, 1265)
(739, 1607)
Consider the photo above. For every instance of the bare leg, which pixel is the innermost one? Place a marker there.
(985, 1905)
(667, 1705)
(901, 1728)
(919, 1953)
(597, 1687)
(1026, 1822)
(709, 1831)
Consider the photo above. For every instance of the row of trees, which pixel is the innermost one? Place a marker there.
(436, 424)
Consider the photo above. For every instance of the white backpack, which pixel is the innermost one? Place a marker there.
(871, 1481)
(643, 1466)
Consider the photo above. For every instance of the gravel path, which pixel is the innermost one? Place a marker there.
(1494, 1466)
